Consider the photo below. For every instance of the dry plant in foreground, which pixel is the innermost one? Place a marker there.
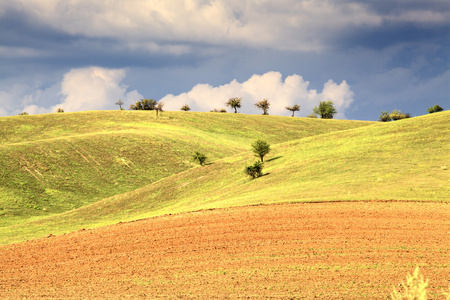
(415, 288)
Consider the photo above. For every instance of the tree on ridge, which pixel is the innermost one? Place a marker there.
(264, 105)
(234, 103)
(294, 108)
(325, 110)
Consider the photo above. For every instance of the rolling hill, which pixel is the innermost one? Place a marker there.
(57, 163)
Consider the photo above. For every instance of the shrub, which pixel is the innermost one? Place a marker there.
(434, 109)
(313, 116)
(222, 110)
(384, 117)
(185, 108)
(23, 113)
(398, 115)
(60, 110)
(255, 170)
(199, 157)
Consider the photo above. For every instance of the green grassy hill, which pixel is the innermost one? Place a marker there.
(311, 160)
(57, 163)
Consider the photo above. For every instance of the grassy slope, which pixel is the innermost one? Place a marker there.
(406, 160)
(59, 162)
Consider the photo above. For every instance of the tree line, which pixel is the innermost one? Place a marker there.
(324, 110)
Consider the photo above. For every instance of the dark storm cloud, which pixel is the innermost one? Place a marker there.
(389, 7)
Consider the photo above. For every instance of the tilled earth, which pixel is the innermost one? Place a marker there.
(343, 250)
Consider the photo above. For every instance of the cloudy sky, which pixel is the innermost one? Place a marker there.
(365, 56)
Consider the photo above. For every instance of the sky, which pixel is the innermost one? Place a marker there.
(365, 56)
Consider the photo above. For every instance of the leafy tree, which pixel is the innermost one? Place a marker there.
(234, 103)
(294, 108)
(185, 108)
(199, 157)
(434, 109)
(60, 110)
(255, 170)
(23, 113)
(384, 117)
(264, 105)
(325, 110)
(398, 115)
(144, 104)
(120, 103)
(260, 148)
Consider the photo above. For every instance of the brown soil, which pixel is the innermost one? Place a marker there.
(348, 250)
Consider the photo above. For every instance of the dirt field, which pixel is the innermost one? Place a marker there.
(342, 250)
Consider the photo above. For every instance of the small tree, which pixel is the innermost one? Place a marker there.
(325, 110)
(384, 117)
(234, 103)
(260, 148)
(60, 110)
(23, 113)
(434, 109)
(294, 108)
(255, 170)
(185, 108)
(264, 105)
(120, 103)
(199, 157)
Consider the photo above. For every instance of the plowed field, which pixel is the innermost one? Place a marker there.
(347, 250)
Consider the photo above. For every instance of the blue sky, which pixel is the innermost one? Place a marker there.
(366, 56)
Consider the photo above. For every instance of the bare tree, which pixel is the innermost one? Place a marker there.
(120, 103)
(159, 107)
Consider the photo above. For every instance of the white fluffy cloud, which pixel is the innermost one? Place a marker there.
(293, 90)
(91, 88)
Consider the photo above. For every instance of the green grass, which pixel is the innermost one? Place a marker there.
(102, 177)
(57, 163)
